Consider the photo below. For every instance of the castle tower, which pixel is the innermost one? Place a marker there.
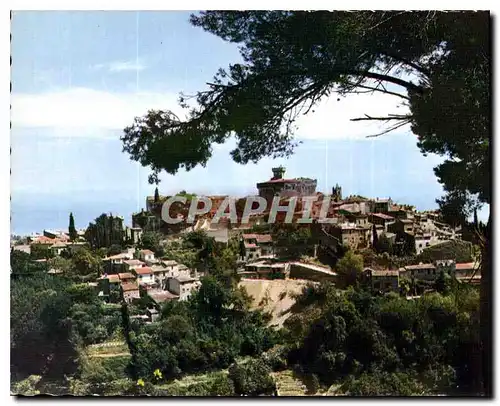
(278, 172)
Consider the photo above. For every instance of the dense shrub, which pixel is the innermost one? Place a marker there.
(382, 384)
(460, 251)
(351, 333)
(252, 378)
(205, 333)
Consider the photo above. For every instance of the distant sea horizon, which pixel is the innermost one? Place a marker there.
(31, 213)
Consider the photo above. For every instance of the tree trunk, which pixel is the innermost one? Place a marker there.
(485, 312)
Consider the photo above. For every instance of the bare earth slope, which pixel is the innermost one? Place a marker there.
(274, 296)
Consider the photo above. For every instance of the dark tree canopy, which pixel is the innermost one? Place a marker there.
(105, 231)
(292, 59)
(456, 207)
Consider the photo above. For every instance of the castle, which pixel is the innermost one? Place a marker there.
(278, 186)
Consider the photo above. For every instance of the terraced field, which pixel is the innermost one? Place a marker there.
(288, 384)
(107, 350)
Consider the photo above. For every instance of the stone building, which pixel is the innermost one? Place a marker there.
(278, 186)
(183, 286)
(381, 205)
(426, 272)
(383, 280)
(381, 219)
(352, 235)
(130, 291)
(257, 245)
(263, 269)
(402, 226)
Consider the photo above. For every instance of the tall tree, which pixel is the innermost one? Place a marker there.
(105, 231)
(242, 249)
(157, 196)
(436, 63)
(350, 266)
(375, 237)
(151, 240)
(73, 235)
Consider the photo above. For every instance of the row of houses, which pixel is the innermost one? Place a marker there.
(355, 229)
(386, 280)
(55, 244)
(274, 269)
(352, 219)
(129, 259)
(166, 280)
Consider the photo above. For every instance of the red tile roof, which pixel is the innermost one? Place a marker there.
(465, 266)
(147, 252)
(133, 262)
(382, 216)
(129, 286)
(185, 279)
(144, 271)
(126, 275)
(263, 238)
(280, 181)
(161, 295)
(44, 240)
(111, 278)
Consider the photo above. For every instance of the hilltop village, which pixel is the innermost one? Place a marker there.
(130, 288)
(357, 224)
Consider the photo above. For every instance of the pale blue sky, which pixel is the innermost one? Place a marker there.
(78, 78)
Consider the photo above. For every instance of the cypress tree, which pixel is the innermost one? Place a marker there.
(71, 228)
(157, 196)
(243, 251)
(375, 237)
(476, 223)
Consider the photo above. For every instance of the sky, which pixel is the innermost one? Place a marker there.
(79, 78)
